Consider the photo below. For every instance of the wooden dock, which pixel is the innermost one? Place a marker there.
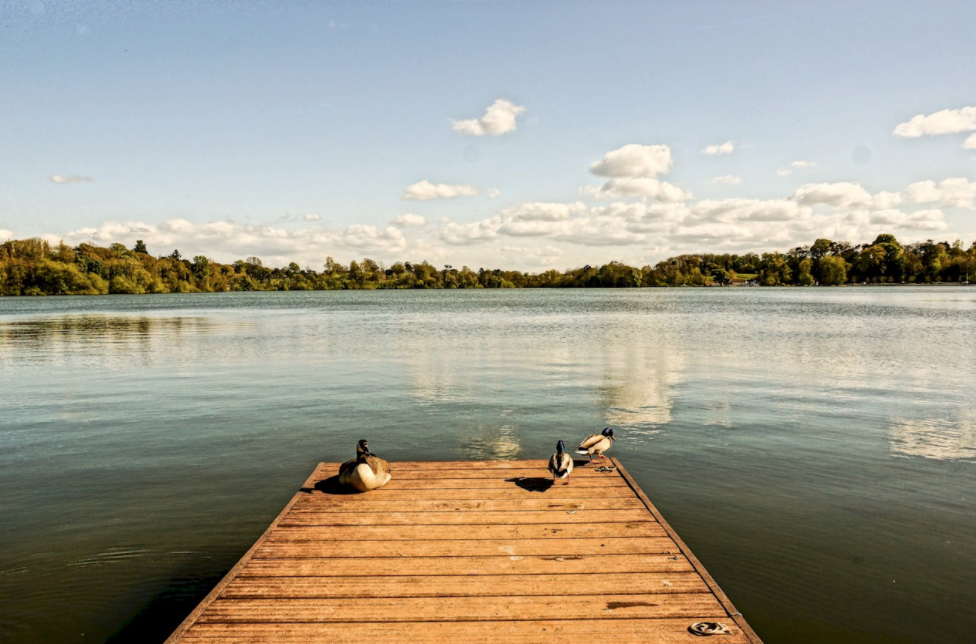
(467, 552)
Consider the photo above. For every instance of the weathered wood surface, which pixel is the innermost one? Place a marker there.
(483, 551)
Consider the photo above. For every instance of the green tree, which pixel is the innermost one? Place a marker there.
(821, 248)
(832, 271)
(804, 276)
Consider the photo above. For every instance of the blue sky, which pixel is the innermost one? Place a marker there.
(293, 131)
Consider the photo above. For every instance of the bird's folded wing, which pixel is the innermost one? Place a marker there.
(590, 441)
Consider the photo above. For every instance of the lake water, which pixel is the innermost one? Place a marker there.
(816, 448)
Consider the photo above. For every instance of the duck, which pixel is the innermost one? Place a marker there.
(366, 472)
(596, 443)
(561, 463)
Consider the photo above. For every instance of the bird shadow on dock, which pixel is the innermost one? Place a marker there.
(532, 483)
(330, 485)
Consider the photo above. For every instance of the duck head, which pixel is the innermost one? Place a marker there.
(560, 447)
(608, 432)
(362, 449)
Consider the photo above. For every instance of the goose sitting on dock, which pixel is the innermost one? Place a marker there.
(366, 472)
(596, 443)
(561, 463)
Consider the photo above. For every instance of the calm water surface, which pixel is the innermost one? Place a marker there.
(816, 448)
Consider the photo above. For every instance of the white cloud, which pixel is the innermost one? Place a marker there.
(425, 190)
(931, 220)
(493, 193)
(942, 122)
(956, 192)
(843, 194)
(227, 241)
(634, 160)
(499, 118)
(471, 233)
(312, 217)
(970, 143)
(739, 210)
(867, 224)
(725, 148)
(728, 178)
(368, 238)
(618, 224)
(636, 187)
(409, 219)
(538, 256)
(6, 234)
(796, 165)
(925, 220)
(642, 218)
(71, 178)
(541, 211)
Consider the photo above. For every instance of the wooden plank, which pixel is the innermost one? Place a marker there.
(466, 585)
(464, 532)
(324, 503)
(461, 609)
(513, 492)
(580, 473)
(530, 464)
(494, 565)
(553, 517)
(472, 547)
(428, 481)
(620, 631)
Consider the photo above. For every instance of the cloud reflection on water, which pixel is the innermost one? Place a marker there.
(935, 438)
(488, 442)
(639, 373)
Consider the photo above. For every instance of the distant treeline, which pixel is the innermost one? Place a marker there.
(35, 267)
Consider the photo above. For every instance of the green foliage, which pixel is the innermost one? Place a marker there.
(34, 267)
(832, 271)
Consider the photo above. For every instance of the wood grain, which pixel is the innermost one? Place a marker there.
(465, 532)
(539, 517)
(468, 585)
(475, 566)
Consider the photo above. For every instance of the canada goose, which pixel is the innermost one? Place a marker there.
(596, 443)
(366, 472)
(561, 463)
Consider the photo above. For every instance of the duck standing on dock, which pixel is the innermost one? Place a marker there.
(561, 463)
(596, 443)
(366, 472)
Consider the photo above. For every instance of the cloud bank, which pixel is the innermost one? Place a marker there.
(635, 216)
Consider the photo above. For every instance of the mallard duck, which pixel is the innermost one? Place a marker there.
(596, 443)
(366, 472)
(560, 463)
